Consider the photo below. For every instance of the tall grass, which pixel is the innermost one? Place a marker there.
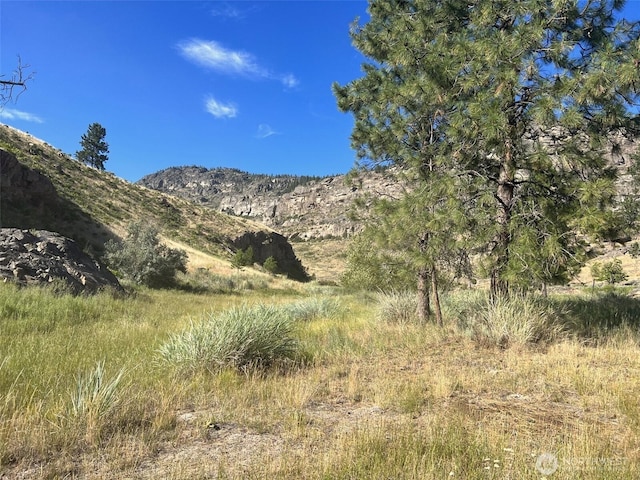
(505, 320)
(87, 397)
(240, 338)
(397, 307)
(95, 397)
(312, 308)
(596, 317)
(203, 281)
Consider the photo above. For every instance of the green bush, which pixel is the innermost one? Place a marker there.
(241, 338)
(271, 265)
(243, 258)
(610, 272)
(143, 259)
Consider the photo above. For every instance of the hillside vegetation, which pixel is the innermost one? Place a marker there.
(95, 205)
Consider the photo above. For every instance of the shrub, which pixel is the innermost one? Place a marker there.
(241, 338)
(271, 265)
(142, 259)
(243, 258)
(610, 272)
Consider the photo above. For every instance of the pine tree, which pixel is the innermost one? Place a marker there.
(508, 105)
(94, 147)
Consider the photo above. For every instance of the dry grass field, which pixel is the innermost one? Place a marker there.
(372, 397)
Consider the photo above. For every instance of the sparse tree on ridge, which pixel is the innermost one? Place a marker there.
(94, 147)
(508, 105)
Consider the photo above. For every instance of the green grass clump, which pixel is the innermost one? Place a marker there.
(313, 308)
(94, 399)
(397, 307)
(203, 281)
(240, 338)
(95, 395)
(508, 320)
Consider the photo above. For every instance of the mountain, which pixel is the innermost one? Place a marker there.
(302, 208)
(41, 188)
(307, 208)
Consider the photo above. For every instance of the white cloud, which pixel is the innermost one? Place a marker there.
(265, 130)
(11, 114)
(226, 10)
(220, 110)
(212, 55)
(289, 81)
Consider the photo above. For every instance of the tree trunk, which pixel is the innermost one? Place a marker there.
(502, 241)
(424, 301)
(436, 297)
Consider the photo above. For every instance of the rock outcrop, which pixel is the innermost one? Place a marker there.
(21, 184)
(271, 244)
(298, 207)
(41, 257)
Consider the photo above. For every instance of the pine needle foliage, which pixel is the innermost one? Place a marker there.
(94, 147)
(508, 107)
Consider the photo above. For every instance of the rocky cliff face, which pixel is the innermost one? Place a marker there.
(298, 207)
(311, 208)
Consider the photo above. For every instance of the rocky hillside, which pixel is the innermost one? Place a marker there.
(310, 208)
(41, 188)
(298, 207)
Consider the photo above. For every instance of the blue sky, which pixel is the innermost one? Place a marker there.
(236, 84)
(243, 84)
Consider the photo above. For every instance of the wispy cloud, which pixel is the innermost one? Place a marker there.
(226, 10)
(10, 114)
(212, 55)
(219, 109)
(265, 130)
(289, 81)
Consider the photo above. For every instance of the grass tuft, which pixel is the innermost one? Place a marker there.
(397, 307)
(95, 395)
(94, 399)
(313, 308)
(507, 321)
(240, 338)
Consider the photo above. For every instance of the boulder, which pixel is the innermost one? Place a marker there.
(41, 257)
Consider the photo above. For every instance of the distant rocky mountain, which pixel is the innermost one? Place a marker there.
(311, 207)
(297, 206)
